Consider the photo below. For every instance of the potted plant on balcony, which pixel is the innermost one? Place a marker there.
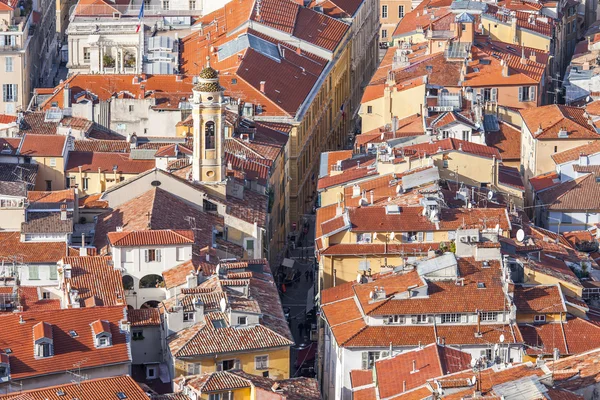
(129, 60)
(108, 61)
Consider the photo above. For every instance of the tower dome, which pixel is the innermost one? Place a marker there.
(208, 80)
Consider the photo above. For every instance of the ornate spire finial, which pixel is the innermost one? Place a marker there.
(207, 61)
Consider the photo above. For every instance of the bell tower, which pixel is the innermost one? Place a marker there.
(208, 113)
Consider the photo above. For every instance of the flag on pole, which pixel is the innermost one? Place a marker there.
(140, 17)
(342, 110)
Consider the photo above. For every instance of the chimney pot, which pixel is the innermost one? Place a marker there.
(262, 86)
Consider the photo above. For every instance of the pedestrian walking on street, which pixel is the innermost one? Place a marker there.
(306, 275)
(301, 328)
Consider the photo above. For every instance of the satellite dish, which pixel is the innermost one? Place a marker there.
(520, 235)
(502, 338)
(473, 362)
(392, 236)
(223, 304)
(490, 195)
(397, 189)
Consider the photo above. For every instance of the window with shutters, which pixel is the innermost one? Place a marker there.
(180, 253)
(34, 272)
(487, 94)
(383, 36)
(53, 272)
(539, 318)
(420, 319)
(188, 316)
(9, 92)
(86, 55)
(419, 236)
(362, 238)
(527, 93)
(400, 11)
(465, 135)
(153, 255)
(451, 318)
(8, 64)
(86, 183)
(369, 358)
(384, 11)
(394, 319)
(445, 134)
(193, 368)
(488, 316)
(429, 237)
(261, 362)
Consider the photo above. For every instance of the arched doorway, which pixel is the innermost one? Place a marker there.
(127, 282)
(152, 281)
(150, 304)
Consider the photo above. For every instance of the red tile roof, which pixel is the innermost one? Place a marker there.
(150, 238)
(582, 193)
(552, 118)
(451, 144)
(30, 299)
(105, 162)
(96, 281)
(345, 177)
(43, 145)
(92, 389)
(410, 219)
(144, 317)
(17, 336)
(102, 146)
(396, 375)
(108, 86)
(361, 377)
(544, 181)
(539, 299)
(11, 248)
(507, 141)
(573, 154)
(58, 196)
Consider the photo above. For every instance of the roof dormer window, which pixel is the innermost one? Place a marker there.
(43, 340)
(102, 333)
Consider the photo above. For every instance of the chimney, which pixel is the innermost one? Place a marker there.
(523, 58)
(299, 51)
(414, 367)
(262, 86)
(505, 71)
(478, 324)
(179, 78)
(403, 386)
(142, 92)
(192, 280)
(67, 96)
(67, 270)
(63, 212)
(533, 56)
(586, 66)
(372, 197)
(82, 249)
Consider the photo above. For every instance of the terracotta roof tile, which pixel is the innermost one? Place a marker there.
(573, 154)
(396, 375)
(361, 377)
(94, 277)
(105, 162)
(144, 317)
(553, 118)
(7, 119)
(544, 181)
(12, 248)
(177, 275)
(582, 193)
(45, 222)
(102, 146)
(17, 337)
(166, 212)
(507, 141)
(510, 176)
(538, 299)
(92, 389)
(58, 196)
(150, 238)
(451, 144)
(30, 299)
(43, 145)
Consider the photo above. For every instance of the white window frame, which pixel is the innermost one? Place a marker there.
(243, 320)
(451, 318)
(85, 183)
(52, 162)
(180, 253)
(384, 11)
(539, 318)
(400, 11)
(188, 316)
(30, 275)
(194, 368)
(364, 238)
(488, 316)
(8, 64)
(261, 362)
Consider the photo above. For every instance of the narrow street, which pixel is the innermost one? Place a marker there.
(296, 297)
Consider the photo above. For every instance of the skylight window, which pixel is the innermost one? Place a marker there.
(218, 323)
